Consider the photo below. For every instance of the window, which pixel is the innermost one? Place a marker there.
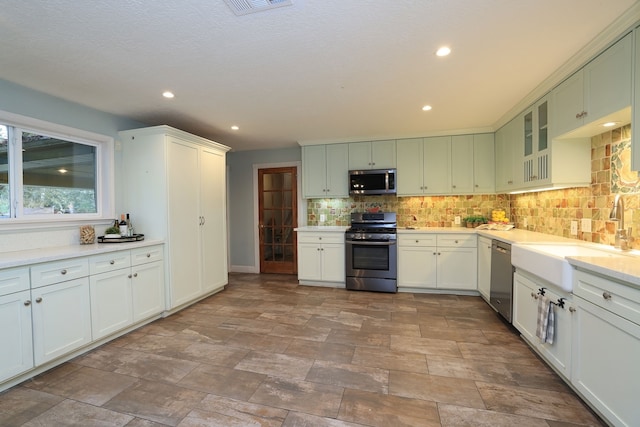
(49, 176)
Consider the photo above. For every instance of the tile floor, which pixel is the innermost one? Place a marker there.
(267, 352)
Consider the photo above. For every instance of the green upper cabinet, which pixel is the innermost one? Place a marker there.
(508, 140)
(601, 91)
(535, 125)
(325, 171)
(484, 171)
(424, 166)
(372, 155)
(462, 164)
(635, 136)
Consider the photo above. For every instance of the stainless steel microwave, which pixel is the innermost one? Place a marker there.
(372, 181)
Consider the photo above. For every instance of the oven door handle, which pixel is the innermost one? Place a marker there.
(371, 243)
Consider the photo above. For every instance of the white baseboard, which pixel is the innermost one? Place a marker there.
(244, 269)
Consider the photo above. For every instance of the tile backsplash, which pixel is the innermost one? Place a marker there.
(549, 212)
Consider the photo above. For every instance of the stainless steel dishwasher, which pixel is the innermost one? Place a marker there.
(501, 288)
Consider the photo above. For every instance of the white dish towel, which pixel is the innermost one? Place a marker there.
(546, 320)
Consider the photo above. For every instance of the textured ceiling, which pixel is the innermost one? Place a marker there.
(315, 71)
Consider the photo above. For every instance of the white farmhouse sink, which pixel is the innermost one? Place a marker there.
(548, 260)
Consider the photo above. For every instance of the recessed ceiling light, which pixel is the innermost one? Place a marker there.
(443, 51)
(168, 94)
(609, 124)
(63, 170)
(234, 127)
(426, 108)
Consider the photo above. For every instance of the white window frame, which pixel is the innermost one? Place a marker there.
(105, 198)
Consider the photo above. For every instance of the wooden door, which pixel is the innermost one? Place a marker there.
(277, 206)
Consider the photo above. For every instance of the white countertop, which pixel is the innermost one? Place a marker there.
(625, 268)
(322, 228)
(35, 256)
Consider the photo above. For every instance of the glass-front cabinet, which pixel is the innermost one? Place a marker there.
(536, 143)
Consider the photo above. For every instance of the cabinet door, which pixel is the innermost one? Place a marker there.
(462, 164)
(504, 158)
(111, 308)
(417, 267)
(457, 268)
(484, 171)
(184, 222)
(360, 156)
(410, 167)
(525, 307)
(213, 212)
(607, 80)
(337, 170)
(15, 335)
(314, 171)
(147, 290)
(383, 154)
(568, 104)
(635, 136)
(484, 267)
(606, 350)
(558, 354)
(309, 261)
(333, 262)
(437, 165)
(61, 319)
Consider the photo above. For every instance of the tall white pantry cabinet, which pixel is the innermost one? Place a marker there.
(175, 185)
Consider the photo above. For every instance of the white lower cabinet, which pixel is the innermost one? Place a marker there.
(321, 257)
(50, 310)
(437, 261)
(606, 347)
(526, 295)
(17, 342)
(131, 290)
(61, 319)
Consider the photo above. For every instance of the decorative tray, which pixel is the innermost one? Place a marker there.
(121, 239)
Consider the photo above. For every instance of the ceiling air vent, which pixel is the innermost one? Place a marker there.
(243, 7)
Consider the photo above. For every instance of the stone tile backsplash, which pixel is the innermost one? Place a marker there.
(548, 212)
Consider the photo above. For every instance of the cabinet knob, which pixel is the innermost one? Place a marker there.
(435, 253)
(439, 253)
(112, 262)
(129, 276)
(27, 303)
(454, 186)
(417, 241)
(135, 274)
(572, 310)
(39, 300)
(148, 255)
(606, 295)
(477, 186)
(63, 272)
(456, 242)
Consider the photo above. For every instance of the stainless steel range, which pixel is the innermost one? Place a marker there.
(371, 252)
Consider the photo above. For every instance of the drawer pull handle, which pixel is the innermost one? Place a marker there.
(39, 300)
(112, 262)
(63, 272)
(27, 303)
(606, 295)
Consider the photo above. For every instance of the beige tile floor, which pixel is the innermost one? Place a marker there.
(267, 352)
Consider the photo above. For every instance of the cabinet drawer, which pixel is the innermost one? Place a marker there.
(321, 237)
(457, 240)
(58, 271)
(14, 280)
(147, 254)
(416, 240)
(612, 296)
(109, 262)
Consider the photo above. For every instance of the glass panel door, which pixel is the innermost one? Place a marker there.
(278, 217)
